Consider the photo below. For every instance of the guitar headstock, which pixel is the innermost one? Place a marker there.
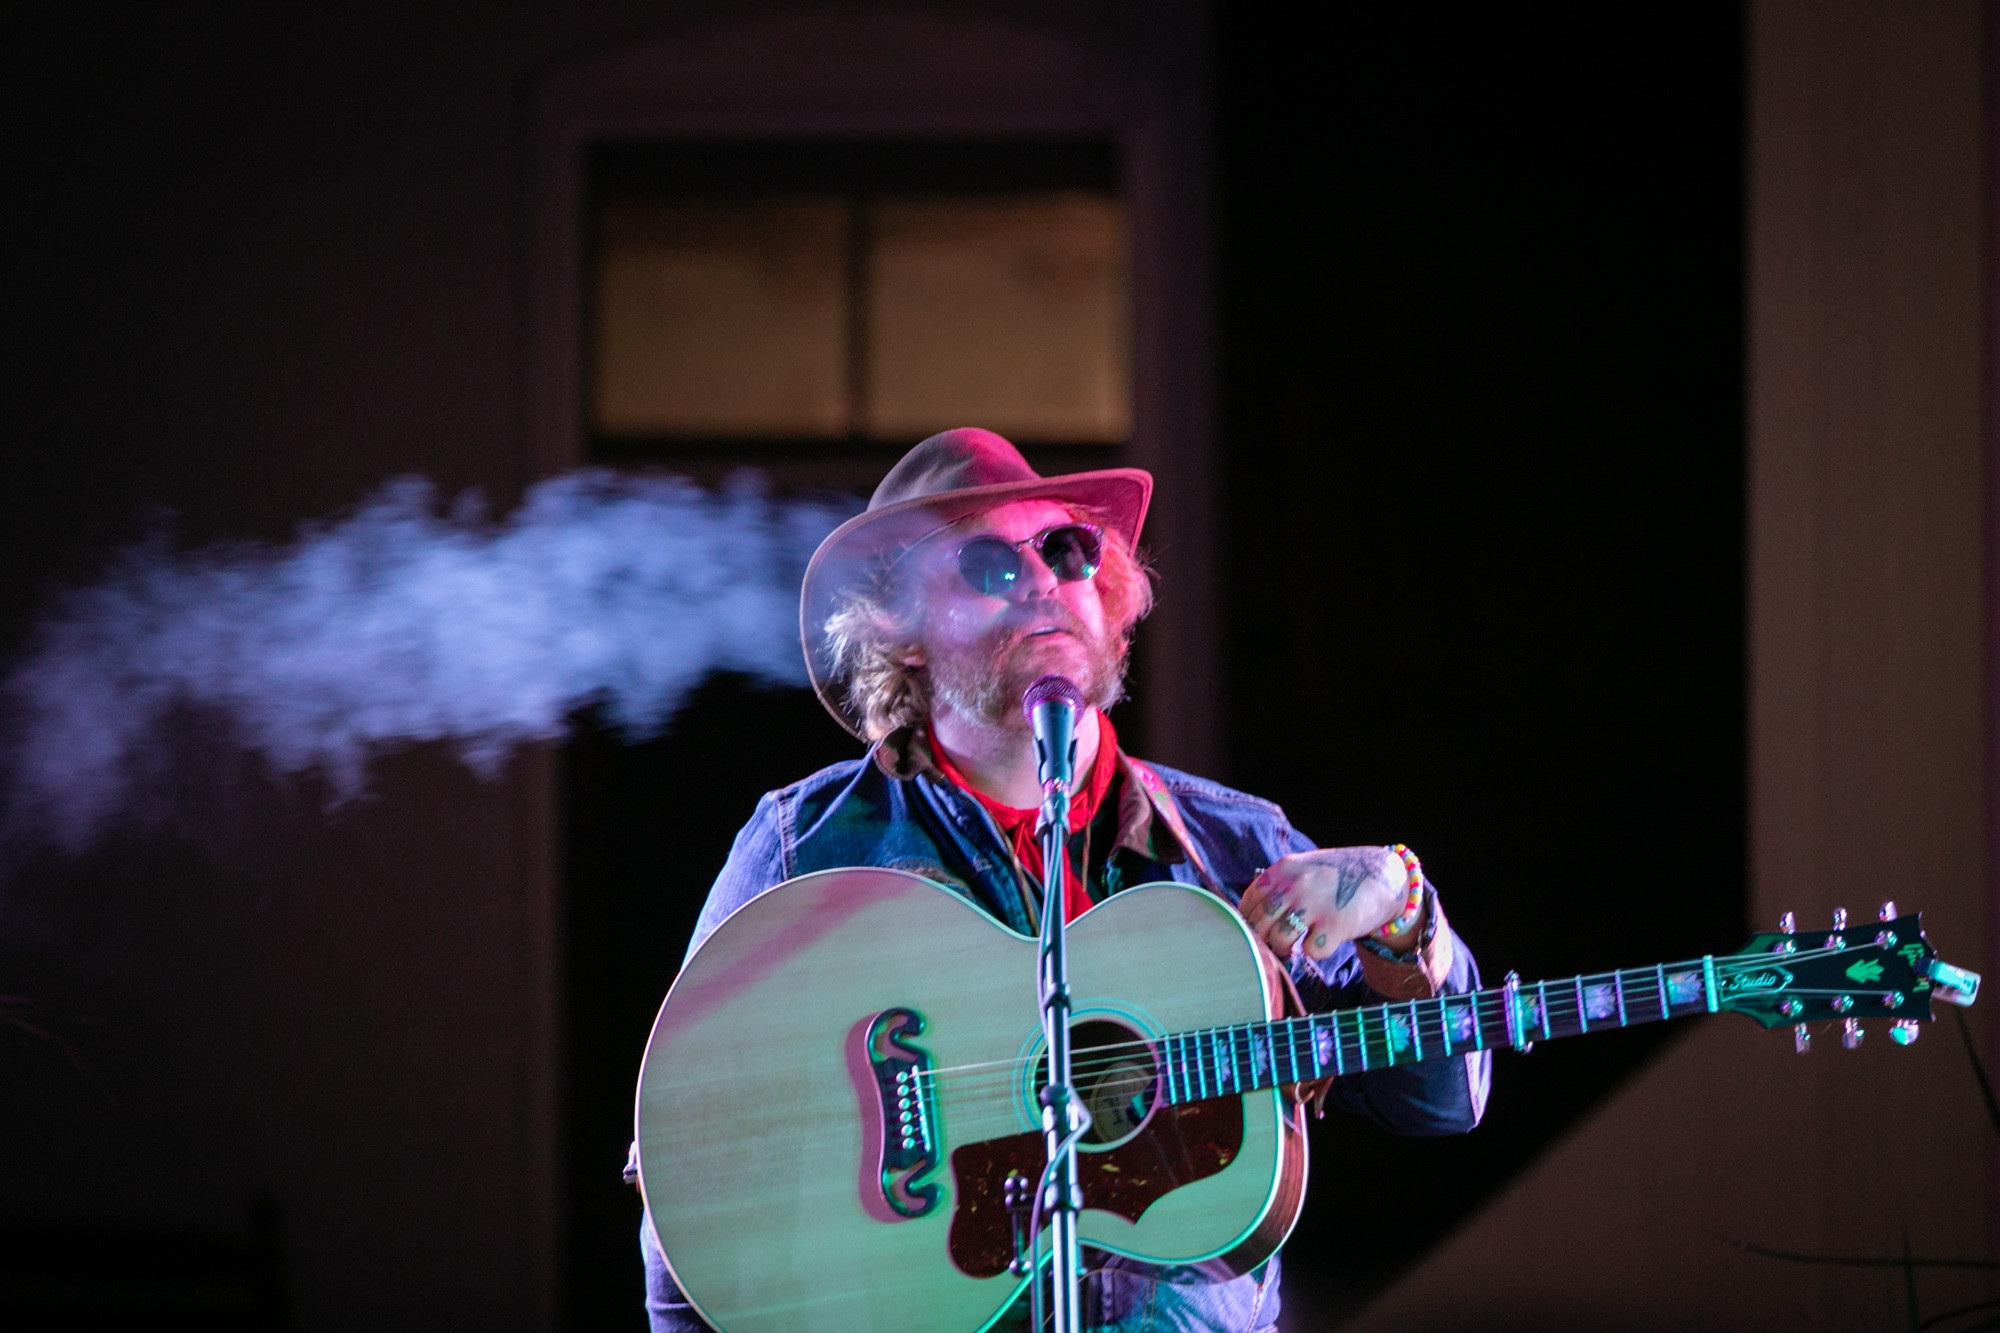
(1881, 969)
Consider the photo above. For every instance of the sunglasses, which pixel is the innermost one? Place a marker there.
(992, 565)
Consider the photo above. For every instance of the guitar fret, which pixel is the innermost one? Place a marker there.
(1249, 1057)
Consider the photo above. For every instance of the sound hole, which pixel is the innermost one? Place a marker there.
(1117, 1079)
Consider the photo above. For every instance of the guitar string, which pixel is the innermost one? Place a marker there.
(966, 1078)
(1562, 1006)
(1731, 964)
(1337, 1015)
(1209, 1068)
(1490, 994)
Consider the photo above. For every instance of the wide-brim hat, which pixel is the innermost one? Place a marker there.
(948, 477)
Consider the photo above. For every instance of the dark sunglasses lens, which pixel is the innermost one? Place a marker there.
(1072, 553)
(989, 565)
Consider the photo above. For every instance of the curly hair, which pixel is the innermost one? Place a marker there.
(873, 632)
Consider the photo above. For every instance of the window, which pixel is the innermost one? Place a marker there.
(870, 295)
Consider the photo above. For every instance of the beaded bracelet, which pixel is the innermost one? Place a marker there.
(1413, 897)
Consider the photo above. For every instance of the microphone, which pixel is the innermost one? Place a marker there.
(1052, 705)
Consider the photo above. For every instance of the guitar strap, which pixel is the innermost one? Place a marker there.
(1168, 812)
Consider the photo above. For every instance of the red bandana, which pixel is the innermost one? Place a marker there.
(1018, 826)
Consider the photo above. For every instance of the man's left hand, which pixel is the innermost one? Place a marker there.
(1321, 899)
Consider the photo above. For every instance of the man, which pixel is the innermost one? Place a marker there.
(924, 619)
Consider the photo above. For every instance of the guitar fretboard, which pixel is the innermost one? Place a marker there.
(1214, 1062)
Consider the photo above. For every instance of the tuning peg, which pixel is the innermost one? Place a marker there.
(1955, 985)
(1801, 1038)
(1903, 1031)
(1788, 923)
(1850, 1033)
(1887, 911)
(1840, 918)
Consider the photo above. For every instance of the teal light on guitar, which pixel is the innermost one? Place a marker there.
(835, 1114)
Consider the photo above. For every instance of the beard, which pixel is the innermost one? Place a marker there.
(986, 681)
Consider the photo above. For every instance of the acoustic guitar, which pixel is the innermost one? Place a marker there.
(837, 1122)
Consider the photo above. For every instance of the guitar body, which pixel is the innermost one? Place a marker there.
(841, 1082)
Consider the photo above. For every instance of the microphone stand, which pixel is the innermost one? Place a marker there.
(1061, 1115)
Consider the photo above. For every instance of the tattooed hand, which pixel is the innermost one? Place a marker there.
(1321, 899)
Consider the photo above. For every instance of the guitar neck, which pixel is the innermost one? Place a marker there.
(1215, 1062)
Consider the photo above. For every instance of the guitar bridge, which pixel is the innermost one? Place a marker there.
(907, 1142)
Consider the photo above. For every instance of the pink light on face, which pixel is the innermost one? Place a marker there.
(983, 650)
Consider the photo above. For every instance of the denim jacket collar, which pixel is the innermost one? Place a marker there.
(1146, 806)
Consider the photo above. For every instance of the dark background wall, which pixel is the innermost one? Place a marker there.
(1483, 452)
(1481, 514)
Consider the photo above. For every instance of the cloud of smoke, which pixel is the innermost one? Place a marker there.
(398, 625)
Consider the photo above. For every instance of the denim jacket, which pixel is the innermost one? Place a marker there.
(892, 809)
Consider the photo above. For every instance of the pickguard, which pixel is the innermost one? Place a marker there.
(1176, 1146)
